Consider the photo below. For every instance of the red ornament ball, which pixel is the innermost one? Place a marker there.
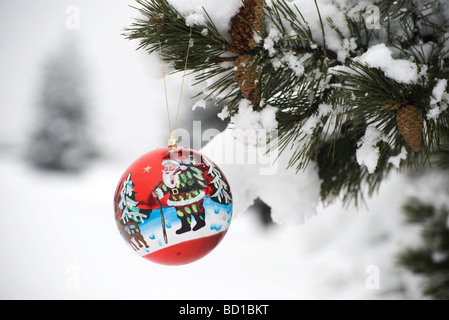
(173, 206)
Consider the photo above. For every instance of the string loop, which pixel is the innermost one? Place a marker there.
(173, 141)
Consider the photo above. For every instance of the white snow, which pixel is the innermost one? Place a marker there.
(247, 122)
(439, 90)
(439, 100)
(199, 104)
(224, 113)
(220, 12)
(268, 118)
(328, 10)
(273, 36)
(396, 160)
(253, 173)
(291, 60)
(294, 63)
(257, 37)
(246, 118)
(195, 18)
(433, 113)
(400, 70)
(368, 152)
(348, 46)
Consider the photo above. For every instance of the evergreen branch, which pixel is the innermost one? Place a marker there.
(318, 53)
(322, 115)
(321, 24)
(165, 24)
(443, 157)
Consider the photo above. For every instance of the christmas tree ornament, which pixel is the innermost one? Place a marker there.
(173, 205)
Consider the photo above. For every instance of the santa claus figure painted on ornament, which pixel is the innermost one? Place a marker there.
(185, 184)
(173, 206)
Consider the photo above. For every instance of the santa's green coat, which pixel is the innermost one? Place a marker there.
(187, 197)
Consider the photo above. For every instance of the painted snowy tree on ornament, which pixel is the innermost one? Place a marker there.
(173, 206)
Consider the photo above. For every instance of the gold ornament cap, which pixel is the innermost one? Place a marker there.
(172, 142)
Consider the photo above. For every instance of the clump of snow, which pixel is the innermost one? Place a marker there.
(248, 122)
(199, 104)
(439, 90)
(293, 197)
(257, 38)
(396, 160)
(367, 152)
(291, 60)
(328, 10)
(400, 70)
(253, 173)
(439, 100)
(273, 36)
(245, 118)
(220, 12)
(241, 152)
(195, 18)
(268, 118)
(348, 45)
(433, 113)
(223, 114)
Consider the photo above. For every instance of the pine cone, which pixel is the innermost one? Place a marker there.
(157, 21)
(410, 123)
(247, 78)
(243, 25)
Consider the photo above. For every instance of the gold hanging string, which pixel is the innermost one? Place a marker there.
(183, 77)
(182, 87)
(165, 88)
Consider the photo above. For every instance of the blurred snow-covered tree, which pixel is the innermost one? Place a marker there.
(429, 211)
(60, 139)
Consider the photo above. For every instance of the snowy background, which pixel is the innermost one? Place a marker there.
(58, 236)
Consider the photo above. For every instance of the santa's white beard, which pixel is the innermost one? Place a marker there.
(167, 177)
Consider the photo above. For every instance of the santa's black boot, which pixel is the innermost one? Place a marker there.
(185, 225)
(200, 221)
